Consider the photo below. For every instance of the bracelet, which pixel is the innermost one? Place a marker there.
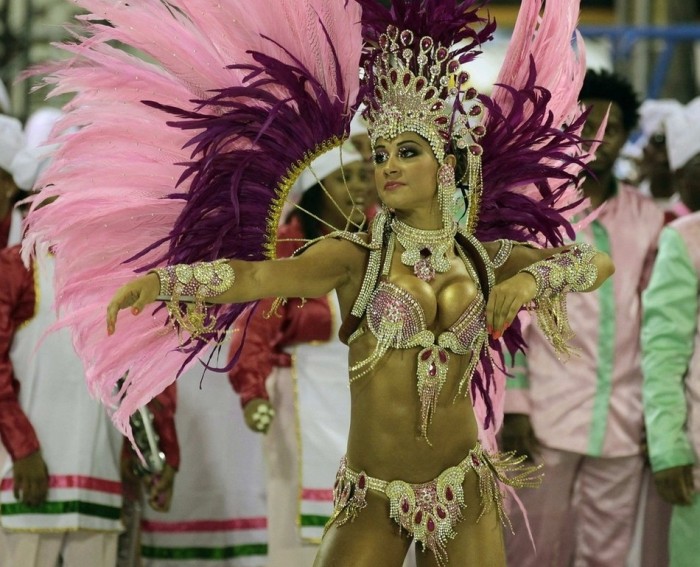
(194, 283)
(571, 270)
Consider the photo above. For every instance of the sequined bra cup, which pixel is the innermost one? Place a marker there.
(391, 305)
(397, 321)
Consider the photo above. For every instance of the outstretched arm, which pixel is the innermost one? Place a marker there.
(325, 266)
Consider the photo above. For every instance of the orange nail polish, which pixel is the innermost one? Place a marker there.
(135, 311)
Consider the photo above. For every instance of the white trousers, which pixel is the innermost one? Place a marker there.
(77, 549)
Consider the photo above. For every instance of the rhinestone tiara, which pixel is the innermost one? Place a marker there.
(415, 84)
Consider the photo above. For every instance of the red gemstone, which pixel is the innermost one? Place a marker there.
(406, 79)
(448, 493)
(431, 525)
(475, 461)
(432, 370)
(420, 83)
(441, 120)
(478, 130)
(471, 93)
(361, 481)
(441, 513)
(426, 354)
(426, 43)
(441, 53)
(475, 111)
(453, 66)
(404, 506)
(419, 517)
(443, 356)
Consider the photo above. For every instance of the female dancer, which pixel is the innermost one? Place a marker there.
(425, 302)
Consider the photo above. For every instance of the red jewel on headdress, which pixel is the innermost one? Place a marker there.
(426, 43)
(453, 66)
(404, 506)
(441, 512)
(430, 525)
(475, 110)
(406, 37)
(449, 495)
(418, 517)
(476, 149)
(471, 93)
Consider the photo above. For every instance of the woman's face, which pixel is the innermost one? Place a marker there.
(405, 171)
(347, 194)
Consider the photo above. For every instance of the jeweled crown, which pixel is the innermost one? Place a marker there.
(415, 84)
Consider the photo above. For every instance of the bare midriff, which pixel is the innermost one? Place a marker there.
(385, 439)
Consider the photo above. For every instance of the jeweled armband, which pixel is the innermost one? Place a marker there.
(571, 270)
(193, 284)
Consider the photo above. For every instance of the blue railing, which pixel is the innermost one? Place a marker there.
(624, 38)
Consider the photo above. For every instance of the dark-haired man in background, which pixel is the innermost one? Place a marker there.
(582, 417)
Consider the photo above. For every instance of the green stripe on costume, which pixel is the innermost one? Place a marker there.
(205, 553)
(309, 520)
(66, 507)
(606, 350)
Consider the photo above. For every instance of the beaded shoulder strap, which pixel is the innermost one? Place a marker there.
(478, 255)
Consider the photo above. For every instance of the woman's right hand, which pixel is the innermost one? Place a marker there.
(136, 294)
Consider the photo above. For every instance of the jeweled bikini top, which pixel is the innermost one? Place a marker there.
(397, 321)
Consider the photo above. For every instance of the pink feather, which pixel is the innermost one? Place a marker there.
(117, 159)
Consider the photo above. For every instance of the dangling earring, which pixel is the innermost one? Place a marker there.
(447, 187)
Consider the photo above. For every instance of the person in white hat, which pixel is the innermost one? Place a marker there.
(683, 142)
(671, 347)
(12, 141)
(656, 179)
(305, 365)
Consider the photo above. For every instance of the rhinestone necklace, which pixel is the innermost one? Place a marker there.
(425, 250)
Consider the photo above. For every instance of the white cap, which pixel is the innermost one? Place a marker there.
(653, 114)
(682, 134)
(11, 141)
(34, 157)
(326, 164)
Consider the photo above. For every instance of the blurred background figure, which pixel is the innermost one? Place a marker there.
(292, 371)
(671, 348)
(585, 419)
(12, 142)
(60, 496)
(217, 517)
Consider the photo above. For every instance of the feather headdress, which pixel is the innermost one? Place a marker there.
(183, 154)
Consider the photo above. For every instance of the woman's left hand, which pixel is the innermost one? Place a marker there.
(506, 299)
(136, 294)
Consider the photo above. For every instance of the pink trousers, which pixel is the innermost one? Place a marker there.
(582, 515)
